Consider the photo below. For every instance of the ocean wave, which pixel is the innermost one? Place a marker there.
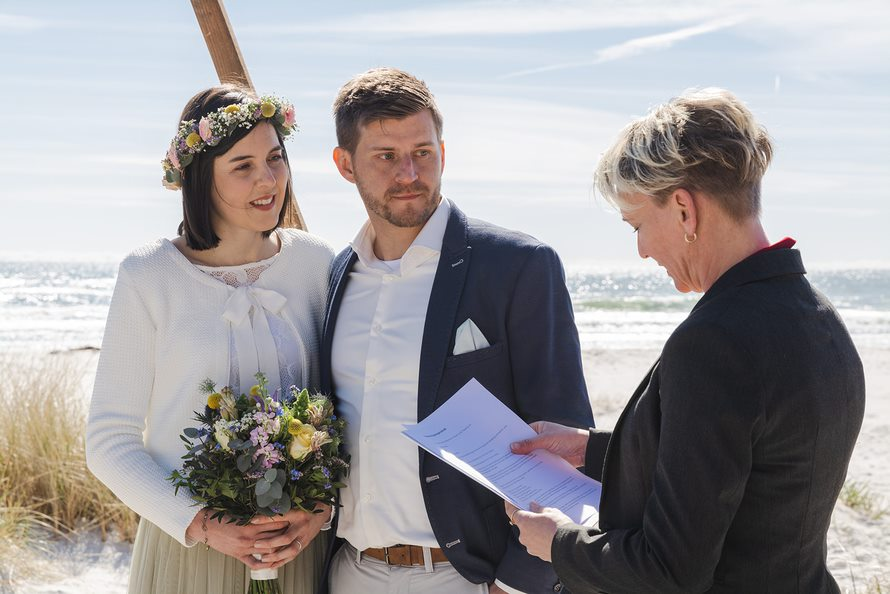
(58, 305)
(632, 303)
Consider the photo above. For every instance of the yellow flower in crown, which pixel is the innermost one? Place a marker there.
(193, 140)
(301, 439)
(194, 136)
(213, 400)
(255, 390)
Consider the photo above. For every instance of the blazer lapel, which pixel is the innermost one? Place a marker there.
(604, 463)
(454, 262)
(341, 266)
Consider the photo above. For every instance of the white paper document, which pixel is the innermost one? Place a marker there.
(472, 432)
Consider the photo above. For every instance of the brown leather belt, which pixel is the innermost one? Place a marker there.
(405, 555)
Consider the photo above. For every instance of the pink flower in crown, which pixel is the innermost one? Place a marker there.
(204, 129)
(173, 157)
(289, 116)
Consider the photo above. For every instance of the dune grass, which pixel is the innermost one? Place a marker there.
(858, 496)
(46, 489)
(878, 585)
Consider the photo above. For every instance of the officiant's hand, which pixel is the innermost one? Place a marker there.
(236, 541)
(302, 528)
(537, 527)
(566, 442)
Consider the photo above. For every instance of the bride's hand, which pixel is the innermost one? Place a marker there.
(236, 541)
(303, 527)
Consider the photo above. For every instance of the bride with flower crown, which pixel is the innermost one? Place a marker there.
(231, 295)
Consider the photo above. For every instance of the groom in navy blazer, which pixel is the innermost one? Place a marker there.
(478, 302)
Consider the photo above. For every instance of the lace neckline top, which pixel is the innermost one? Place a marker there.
(240, 275)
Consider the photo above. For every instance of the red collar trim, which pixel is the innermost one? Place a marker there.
(782, 244)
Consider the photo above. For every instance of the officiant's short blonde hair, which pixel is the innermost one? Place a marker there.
(705, 140)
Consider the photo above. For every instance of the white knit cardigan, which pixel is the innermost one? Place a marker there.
(165, 334)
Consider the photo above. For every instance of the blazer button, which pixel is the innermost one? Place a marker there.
(557, 587)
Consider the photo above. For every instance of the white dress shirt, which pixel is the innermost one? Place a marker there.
(375, 367)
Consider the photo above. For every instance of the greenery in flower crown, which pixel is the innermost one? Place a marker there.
(196, 135)
(259, 454)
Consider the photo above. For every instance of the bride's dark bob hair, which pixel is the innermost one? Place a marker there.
(197, 179)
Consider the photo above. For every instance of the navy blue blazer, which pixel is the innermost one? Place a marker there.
(513, 287)
(723, 470)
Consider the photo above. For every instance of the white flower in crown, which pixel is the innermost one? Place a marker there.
(194, 136)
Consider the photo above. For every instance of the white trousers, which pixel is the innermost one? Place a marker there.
(351, 575)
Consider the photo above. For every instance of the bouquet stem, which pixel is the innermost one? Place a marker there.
(263, 581)
(264, 587)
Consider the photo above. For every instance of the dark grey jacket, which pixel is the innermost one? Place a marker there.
(513, 288)
(723, 470)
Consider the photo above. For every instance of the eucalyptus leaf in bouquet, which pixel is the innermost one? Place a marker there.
(262, 454)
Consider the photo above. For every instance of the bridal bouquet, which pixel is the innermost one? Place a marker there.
(262, 454)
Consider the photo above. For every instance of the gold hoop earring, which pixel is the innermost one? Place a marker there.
(694, 237)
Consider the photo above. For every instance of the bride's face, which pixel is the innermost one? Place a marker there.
(249, 183)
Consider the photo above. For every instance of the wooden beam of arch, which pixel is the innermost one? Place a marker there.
(230, 67)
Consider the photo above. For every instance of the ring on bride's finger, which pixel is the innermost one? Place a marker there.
(300, 545)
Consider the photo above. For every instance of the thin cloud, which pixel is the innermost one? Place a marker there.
(637, 46)
(797, 36)
(116, 159)
(482, 131)
(498, 18)
(14, 22)
(23, 23)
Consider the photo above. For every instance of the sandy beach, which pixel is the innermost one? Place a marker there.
(858, 544)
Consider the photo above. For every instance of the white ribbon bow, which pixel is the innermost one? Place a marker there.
(254, 344)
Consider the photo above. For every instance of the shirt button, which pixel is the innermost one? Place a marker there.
(377, 328)
(367, 497)
(388, 277)
(557, 587)
(367, 439)
(372, 381)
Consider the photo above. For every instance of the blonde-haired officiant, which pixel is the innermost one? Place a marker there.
(723, 470)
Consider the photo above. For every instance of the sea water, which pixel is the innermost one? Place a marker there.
(48, 305)
(639, 308)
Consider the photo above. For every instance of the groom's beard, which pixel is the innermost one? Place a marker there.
(413, 214)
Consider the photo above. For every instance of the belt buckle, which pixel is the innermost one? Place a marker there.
(398, 555)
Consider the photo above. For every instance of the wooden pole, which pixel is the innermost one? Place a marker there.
(221, 42)
(230, 67)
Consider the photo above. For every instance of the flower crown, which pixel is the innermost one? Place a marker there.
(196, 135)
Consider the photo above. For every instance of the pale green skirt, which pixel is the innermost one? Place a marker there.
(161, 565)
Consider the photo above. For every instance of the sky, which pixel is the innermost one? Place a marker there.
(531, 92)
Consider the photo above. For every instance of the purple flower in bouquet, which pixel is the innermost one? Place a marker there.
(260, 454)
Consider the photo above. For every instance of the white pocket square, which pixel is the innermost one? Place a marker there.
(468, 338)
